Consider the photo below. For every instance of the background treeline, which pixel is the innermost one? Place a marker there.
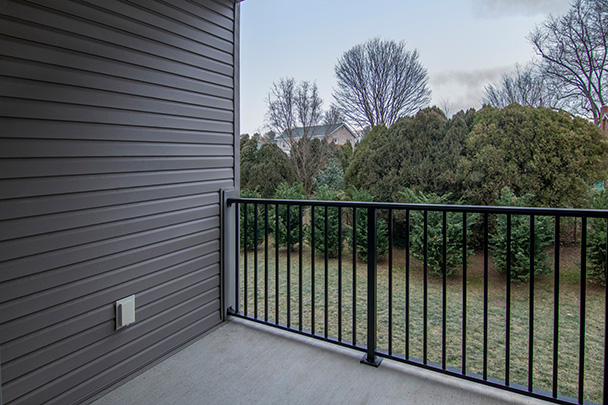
(518, 155)
(552, 156)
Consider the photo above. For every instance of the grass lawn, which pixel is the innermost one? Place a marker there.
(569, 313)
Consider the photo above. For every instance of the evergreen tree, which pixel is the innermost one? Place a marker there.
(368, 168)
(288, 227)
(265, 168)
(344, 155)
(254, 220)
(434, 232)
(325, 193)
(420, 153)
(596, 240)
(361, 233)
(532, 151)
(332, 177)
(520, 239)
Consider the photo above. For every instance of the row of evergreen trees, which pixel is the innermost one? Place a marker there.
(329, 228)
(295, 223)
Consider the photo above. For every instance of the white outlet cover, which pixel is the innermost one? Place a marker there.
(125, 312)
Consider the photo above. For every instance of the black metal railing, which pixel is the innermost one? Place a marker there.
(381, 278)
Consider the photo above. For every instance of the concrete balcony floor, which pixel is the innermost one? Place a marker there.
(240, 362)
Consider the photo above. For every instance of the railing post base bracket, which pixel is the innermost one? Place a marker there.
(376, 361)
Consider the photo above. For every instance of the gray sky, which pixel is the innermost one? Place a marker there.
(464, 44)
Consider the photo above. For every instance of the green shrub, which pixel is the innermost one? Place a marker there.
(520, 239)
(361, 231)
(325, 193)
(251, 216)
(596, 238)
(287, 192)
(454, 228)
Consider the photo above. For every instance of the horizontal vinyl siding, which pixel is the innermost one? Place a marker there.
(118, 126)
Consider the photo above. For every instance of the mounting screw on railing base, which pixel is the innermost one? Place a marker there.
(375, 361)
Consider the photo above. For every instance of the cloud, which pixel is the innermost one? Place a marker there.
(507, 8)
(469, 77)
(464, 89)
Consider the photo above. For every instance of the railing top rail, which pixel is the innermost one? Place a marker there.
(479, 209)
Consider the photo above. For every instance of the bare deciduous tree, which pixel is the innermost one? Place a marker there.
(292, 105)
(447, 106)
(574, 52)
(308, 106)
(380, 81)
(525, 86)
(281, 115)
(293, 112)
(333, 116)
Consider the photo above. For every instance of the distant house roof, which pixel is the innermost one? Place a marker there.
(319, 131)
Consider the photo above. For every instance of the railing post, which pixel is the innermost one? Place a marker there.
(229, 243)
(370, 357)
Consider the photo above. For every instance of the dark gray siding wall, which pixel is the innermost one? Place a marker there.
(116, 135)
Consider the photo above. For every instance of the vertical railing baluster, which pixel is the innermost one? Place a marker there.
(531, 311)
(372, 299)
(485, 295)
(354, 276)
(266, 263)
(556, 253)
(245, 275)
(255, 260)
(288, 269)
(508, 306)
(464, 293)
(407, 284)
(425, 238)
(390, 281)
(300, 281)
(444, 269)
(312, 269)
(276, 273)
(583, 306)
(339, 274)
(237, 258)
(326, 326)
